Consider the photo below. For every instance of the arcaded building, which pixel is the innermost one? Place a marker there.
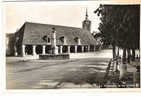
(36, 38)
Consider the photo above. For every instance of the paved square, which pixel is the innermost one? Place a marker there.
(49, 73)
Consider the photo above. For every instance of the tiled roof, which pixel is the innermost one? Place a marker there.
(34, 33)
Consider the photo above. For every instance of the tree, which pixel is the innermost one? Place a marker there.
(120, 26)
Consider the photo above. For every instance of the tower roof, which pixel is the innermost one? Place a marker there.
(86, 16)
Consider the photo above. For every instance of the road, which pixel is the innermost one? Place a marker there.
(45, 74)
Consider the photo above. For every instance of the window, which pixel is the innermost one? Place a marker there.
(44, 38)
(48, 40)
(63, 39)
(78, 40)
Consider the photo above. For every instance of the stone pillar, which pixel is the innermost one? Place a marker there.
(88, 48)
(54, 47)
(44, 50)
(68, 49)
(34, 49)
(55, 50)
(15, 51)
(54, 38)
(23, 50)
(61, 47)
(75, 48)
(15, 54)
(82, 48)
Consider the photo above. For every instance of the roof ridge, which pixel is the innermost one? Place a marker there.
(52, 25)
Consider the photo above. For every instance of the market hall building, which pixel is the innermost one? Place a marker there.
(41, 39)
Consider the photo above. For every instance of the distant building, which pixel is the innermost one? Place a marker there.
(36, 38)
(10, 42)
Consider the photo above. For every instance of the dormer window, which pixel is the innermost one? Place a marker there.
(78, 40)
(46, 39)
(63, 39)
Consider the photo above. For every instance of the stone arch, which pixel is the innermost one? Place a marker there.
(39, 49)
(85, 48)
(79, 49)
(48, 49)
(28, 50)
(72, 49)
(91, 48)
(65, 49)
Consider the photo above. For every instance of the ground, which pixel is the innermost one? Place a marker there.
(45, 74)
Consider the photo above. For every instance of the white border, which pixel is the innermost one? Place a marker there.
(78, 93)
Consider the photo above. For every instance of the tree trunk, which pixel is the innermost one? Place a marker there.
(133, 54)
(118, 52)
(116, 69)
(114, 50)
(124, 55)
(129, 55)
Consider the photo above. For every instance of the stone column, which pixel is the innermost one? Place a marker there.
(34, 49)
(88, 48)
(54, 47)
(68, 49)
(44, 50)
(75, 48)
(82, 48)
(23, 50)
(15, 51)
(61, 47)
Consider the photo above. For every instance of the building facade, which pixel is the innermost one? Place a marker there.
(10, 43)
(36, 39)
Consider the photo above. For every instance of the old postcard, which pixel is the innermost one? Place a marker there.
(72, 44)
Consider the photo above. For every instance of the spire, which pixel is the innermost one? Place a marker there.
(86, 24)
(86, 14)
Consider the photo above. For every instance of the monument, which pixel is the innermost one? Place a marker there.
(53, 42)
(54, 49)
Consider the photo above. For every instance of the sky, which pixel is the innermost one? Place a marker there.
(58, 13)
(66, 13)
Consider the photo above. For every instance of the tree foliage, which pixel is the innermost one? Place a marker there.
(120, 25)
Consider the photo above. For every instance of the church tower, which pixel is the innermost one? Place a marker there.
(86, 24)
